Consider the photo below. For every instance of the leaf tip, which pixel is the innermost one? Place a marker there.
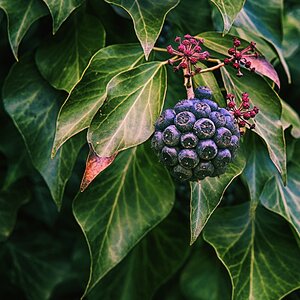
(94, 166)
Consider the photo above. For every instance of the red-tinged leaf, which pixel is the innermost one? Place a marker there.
(94, 166)
(264, 67)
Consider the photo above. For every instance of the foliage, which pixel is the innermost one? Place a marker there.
(85, 80)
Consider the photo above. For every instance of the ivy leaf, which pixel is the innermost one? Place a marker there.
(10, 202)
(284, 200)
(268, 121)
(140, 274)
(206, 195)
(266, 22)
(204, 276)
(60, 10)
(125, 201)
(208, 79)
(134, 102)
(148, 17)
(290, 118)
(63, 59)
(259, 167)
(89, 94)
(229, 11)
(257, 247)
(20, 16)
(33, 105)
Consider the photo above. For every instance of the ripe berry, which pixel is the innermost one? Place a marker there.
(203, 92)
(204, 128)
(207, 149)
(223, 137)
(171, 135)
(165, 119)
(184, 105)
(201, 109)
(203, 169)
(182, 173)
(184, 121)
(169, 156)
(218, 118)
(189, 140)
(188, 158)
(222, 159)
(157, 142)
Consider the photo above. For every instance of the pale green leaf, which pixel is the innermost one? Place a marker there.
(33, 105)
(134, 102)
(89, 94)
(284, 200)
(148, 17)
(268, 120)
(259, 250)
(204, 277)
(60, 10)
(229, 10)
(63, 59)
(207, 194)
(140, 274)
(124, 202)
(20, 16)
(289, 118)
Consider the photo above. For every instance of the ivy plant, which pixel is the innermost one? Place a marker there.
(90, 90)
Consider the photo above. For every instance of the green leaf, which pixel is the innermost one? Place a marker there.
(208, 79)
(204, 276)
(290, 118)
(148, 17)
(62, 60)
(206, 195)
(268, 121)
(140, 274)
(259, 167)
(20, 16)
(33, 105)
(89, 94)
(125, 201)
(229, 10)
(10, 202)
(284, 200)
(60, 10)
(259, 250)
(265, 20)
(134, 102)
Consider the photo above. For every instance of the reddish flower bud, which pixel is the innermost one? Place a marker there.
(193, 60)
(180, 48)
(236, 42)
(187, 36)
(230, 96)
(246, 115)
(238, 55)
(197, 48)
(186, 42)
(183, 65)
(252, 113)
(231, 51)
(252, 70)
(246, 105)
(256, 109)
(170, 49)
(242, 123)
(226, 61)
(248, 64)
(236, 65)
(231, 104)
(237, 113)
(188, 52)
(193, 41)
(177, 39)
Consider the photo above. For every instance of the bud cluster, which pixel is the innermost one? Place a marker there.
(242, 113)
(187, 54)
(241, 57)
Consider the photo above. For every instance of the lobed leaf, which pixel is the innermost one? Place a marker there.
(33, 105)
(259, 250)
(60, 10)
(63, 59)
(229, 10)
(148, 17)
(143, 270)
(207, 194)
(89, 94)
(125, 201)
(20, 16)
(134, 102)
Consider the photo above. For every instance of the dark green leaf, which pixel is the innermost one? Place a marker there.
(284, 200)
(63, 59)
(268, 121)
(259, 250)
(290, 118)
(229, 10)
(148, 265)
(148, 17)
(10, 202)
(87, 97)
(124, 202)
(20, 16)
(205, 277)
(33, 105)
(60, 10)
(259, 167)
(134, 102)
(265, 20)
(207, 194)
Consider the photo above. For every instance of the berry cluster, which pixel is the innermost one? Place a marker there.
(242, 113)
(188, 53)
(196, 139)
(241, 57)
